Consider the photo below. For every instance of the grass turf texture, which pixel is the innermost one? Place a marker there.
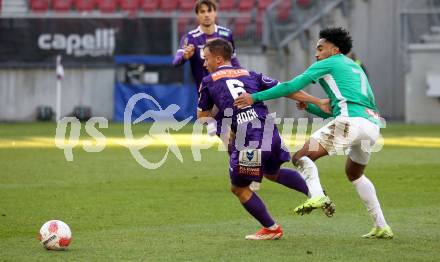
(184, 212)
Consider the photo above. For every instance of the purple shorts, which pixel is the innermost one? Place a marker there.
(247, 166)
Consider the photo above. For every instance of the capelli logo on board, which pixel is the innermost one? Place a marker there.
(101, 43)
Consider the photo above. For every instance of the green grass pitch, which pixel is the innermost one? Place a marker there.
(119, 211)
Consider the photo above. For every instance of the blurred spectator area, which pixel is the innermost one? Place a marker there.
(244, 17)
(155, 6)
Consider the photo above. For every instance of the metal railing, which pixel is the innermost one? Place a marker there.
(420, 24)
(278, 34)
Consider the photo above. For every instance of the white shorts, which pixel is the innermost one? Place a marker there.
(352, 136)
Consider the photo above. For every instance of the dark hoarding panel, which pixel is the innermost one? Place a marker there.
(81, 42)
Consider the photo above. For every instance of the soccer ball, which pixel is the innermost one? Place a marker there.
(55, 235)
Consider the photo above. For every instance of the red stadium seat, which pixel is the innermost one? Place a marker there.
(284, 10)
(186, 5)
(241, 25)
(304, 3)
(84, 5)
(62, 5)
(226, 5)
(40, 5)
(263, 4)
(107, 6)
(246, 5)
(129, 5)
(149, 5)
(168, 5)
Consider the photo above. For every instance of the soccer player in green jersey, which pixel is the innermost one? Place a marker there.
(354, 129)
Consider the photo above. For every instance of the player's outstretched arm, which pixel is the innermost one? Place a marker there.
(280, 90)
(313, 109)
(302, 96)
(283, 89)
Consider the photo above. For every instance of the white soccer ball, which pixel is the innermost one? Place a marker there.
(55, 235)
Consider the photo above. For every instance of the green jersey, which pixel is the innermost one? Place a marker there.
(344, 82)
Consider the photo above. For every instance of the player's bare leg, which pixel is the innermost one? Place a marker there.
(367, 193)
(304, 160)
(255, 206)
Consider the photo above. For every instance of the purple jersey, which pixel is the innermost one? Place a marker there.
(197, 38)
(227, 83)
(247, 163)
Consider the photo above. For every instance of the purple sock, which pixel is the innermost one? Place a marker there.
(257, 209)
(292, 179)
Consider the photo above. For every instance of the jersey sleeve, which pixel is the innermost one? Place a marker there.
(178, 58)
(313, 109)
(283, 89)
(318, 69)
(266, 82)
(205, 100)
(311, 75)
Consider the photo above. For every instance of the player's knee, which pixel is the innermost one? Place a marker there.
(234, 190)
(296, 156)
(352, 176)
(302, 153)
(238, 191)
(353, 170)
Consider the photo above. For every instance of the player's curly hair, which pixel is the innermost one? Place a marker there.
(339, 37)
(212, 5)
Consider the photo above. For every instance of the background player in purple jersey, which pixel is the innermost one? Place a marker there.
(248, 161)
(192, 43)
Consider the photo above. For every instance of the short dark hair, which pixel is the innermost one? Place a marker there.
(220, 47)
(339, 37)
(211, 4)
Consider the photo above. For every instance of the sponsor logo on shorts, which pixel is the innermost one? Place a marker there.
(249, 171)
(250, 158)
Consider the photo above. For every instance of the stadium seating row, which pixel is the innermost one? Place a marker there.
(107, 6)
(241, 25)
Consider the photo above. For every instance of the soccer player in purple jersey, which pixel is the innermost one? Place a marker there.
(192, 43)
(253, 153)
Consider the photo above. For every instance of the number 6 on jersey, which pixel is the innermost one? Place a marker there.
(235, 87)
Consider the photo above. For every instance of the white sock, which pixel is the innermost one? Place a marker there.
(367, 193)
(309, 173)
